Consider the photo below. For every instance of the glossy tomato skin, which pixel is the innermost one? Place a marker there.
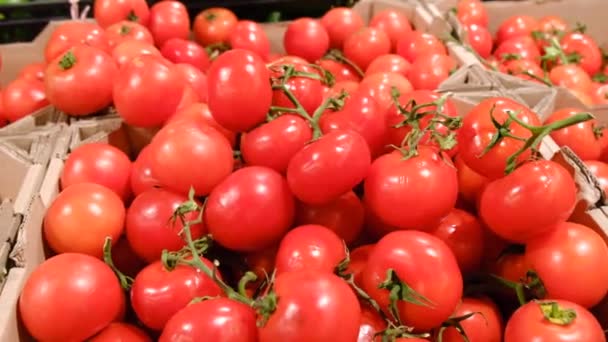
(108, 12)
(340, 71)
(157, 293)
(228, 213)
(306, 38)
(218, 319)
(312, 305)
(484, 326)
(528, 202)
(33, 71)
(199, 113)
(75, 32)
(365, 45)
(571, 76)
(471, 12)
(427, 184)
(470, 183)
(168, 19)
(523, 68)
(308, 92)
(214, 25)
(124, 52)
(371, 324)
(98, 208)
(394, 23)
(587, 48)
(380, 85)
(516, 26)
(274, 144)
(600, 170)
(22, 97)
(528, 324)
(179, 50)
(309, 248)
(142, 178)
(128, 30)
(429, 71)
(244, 73)
(416, 44)
(478, 130)
(480, 39)
(568, 260)
(198, 81)
(523, 47)
(121, 332)
(581, 138)
(46, 314)
(389, 63)
(439, 280)
(340, 23)
(249, 35)
(329, 167)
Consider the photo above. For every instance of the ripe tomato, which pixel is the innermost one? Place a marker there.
(244, 73)
(249, 35)
(484, 326)
(470, 183)
(463, 233)
(471, 12)
(394, 23)
(308, 92)
(261, 262)
(157, 293)
(179, 146)
(98, 163)
(600, 171)
(199, 113)
(371, 324)
(425, 182)
(586, 48)
(523, 68)
(124, 52)
(123, 31)
(125, 259)
(429, 71)
(417, 43)
(217, 319)
(365, 45)
(537, 321)
(380, 85)
(149, 228)
(511, 266)
(147, 91)
(480, 39)
(108, 12)
(358, 260)
(121, 332)
(340, 71)
(179, 50)
(389, 63)
(516, 26)
(477, 132)
(344, 86)
(75, 32)
(169, 19)
(599, 95)
(197, 80)
(33, 71)
(91, 284)
(581, 138)
(81, 217)
(528, 202)
(340, 23)
(228, 213)
(548, 27)
(21, 97)
(571, 76)
(341, 159)
(569, 261)
(142, 178)
(214, 25)
(312, 306)
(274, 144)
(306, 38)
(520, 47)
(439, 280)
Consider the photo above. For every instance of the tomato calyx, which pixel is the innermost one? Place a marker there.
(338, 56)
(216, 49)
(171, 259)
(454, 322)
(125, 30)
(555, 52)
(557, 314)
(394, 332)
(600, 78)
(400, 291)
(531, 286)
(511, 57)
(125, 281)
(67, 61)
(132, 16)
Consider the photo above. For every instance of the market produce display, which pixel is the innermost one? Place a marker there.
(319, 189)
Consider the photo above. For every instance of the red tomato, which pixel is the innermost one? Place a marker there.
(249, 35)
(72, 33)
(480, 39)
(358, 261)
(340, 158)
(429, 71)
(371, 324)
(345, 86)
(365, 45)
(239, 72)
(380, 86)
(426, 265)
(586, 48)
(168, 19)
(528, 202)
(21, 97)
(218, 319)
(84, 207)
(118, 332)
(582, 138)
(417, 43)
(179, 50)
(125, 259)
(571, 76)
(600, 95)
(123, 31)
(228, 213)
(308, 92)
(535, 322)
(340, 71)
(274, 144)
(157, 293)
(124, 52)
(142, 178)
(108, 12)
(472, 12)
(394, 23)
(426, 182)
(478, 131)
(516, 26)
(389, 63)
(549, 27)
(179, 146)
(196, 79)
(262, 262)
(98, 163)
(214, 25)
(569, 261)
(46, 314)
(199, 113)
(520, 47)
(312, 306)
(523, 68)
(463, 233)
(340, 23)
(306, 38)
(33, 71)
(147, 91)
(600, 171)
(470, 183)
(484, 326)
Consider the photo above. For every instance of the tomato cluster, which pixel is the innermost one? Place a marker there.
(328, 194)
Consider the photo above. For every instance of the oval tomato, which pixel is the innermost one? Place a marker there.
(179, 50)
(108, 12)
(121, 332)
(21, 97)
(124, 52)
(306, 38)
(249, 35)
(142, 178)
(416, 44)
(394, 23)
(389, 63)
(123, 31)
(214, 25)
(169, 19)
(516, 26)
(485, 325)
(365, 45)
(582, 138)
(340, 23)
(72, 33)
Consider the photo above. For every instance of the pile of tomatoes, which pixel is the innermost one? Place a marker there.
(327, 194)
(545, 50)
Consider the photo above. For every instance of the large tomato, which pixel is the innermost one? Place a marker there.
(365, 45)
(582, 138)
(588, 50)
(126, 51)
(569, 261)
(123, 31)
(81, 217)
(243, 74)
(169, 19)
(108, 12)
(340, 23)
(249, 35)
(427, 266)
(394, 23)
(91, 284)
(121, 332)
(228, 213)
(417, 43)
(21, 97)
(75, 32)
(485, 324)
(306, 38)
(179, 50)
(214, 25)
